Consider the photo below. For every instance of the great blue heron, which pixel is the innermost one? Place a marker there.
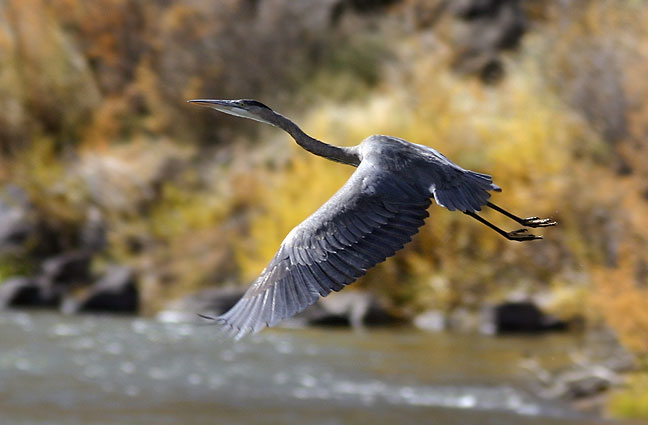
(371, 217)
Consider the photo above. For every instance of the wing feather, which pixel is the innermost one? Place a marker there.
(322, 281)
(335, 242)
(251, 315)
(308, 277)
(270, 306)
(342, 233)
(350, 273)
(335, 277)
(358, 226)
(371, 217)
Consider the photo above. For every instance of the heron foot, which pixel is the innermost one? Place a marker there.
(521, 235)
(537, 222)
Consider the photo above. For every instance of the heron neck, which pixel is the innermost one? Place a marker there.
(341, 154)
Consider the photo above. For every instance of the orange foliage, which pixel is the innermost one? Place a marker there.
(623, 302)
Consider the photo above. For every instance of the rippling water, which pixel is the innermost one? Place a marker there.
(104, 370)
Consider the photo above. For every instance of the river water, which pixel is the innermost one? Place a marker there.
(69, 370)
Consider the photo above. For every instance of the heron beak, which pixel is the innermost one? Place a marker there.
(231, 107)
(213, 103)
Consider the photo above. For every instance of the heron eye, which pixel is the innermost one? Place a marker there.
(252, 102)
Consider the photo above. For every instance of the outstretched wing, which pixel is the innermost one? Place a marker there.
(370, 218)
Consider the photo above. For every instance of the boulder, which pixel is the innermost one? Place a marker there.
(67, 269)
(486, 27)
(25, 292)
(341, 7)
(519, 317)
(25, 232)
(115, 292)
(580, 382)
(431, 320)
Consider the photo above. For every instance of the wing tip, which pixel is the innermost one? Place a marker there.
(226, 327)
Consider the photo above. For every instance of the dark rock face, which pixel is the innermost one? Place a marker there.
(64, 264)
(365, 6)
(339, 8)
(488, 27)
(70, 268)
(520, 317)
(115, 292)
(19, 291)
(22, 231)
(25, 292)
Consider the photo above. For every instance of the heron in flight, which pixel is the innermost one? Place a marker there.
(376, 212)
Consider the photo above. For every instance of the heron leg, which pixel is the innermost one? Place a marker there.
(528, 222)
(516, 235)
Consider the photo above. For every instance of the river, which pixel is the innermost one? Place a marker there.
(99, 370)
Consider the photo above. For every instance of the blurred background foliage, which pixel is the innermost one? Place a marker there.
(548, 97)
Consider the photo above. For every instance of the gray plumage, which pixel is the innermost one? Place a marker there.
(377, 211)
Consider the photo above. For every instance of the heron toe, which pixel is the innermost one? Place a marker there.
(538, 222)
(522, 235)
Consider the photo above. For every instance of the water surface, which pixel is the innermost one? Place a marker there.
(99, 370)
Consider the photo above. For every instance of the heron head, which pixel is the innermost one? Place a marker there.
(246, 108)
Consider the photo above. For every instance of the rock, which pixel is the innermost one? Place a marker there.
(24, 231)
(68, 269)
(487, 27)
(210, 302)
(25, 292)
(341, 7)
(579, 381)
(18, 291)
(115, 292)
(597, 366)
(431, 320)
(586, 383)
(518, 317)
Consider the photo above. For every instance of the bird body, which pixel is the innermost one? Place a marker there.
(375, 213)
(429, 171)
